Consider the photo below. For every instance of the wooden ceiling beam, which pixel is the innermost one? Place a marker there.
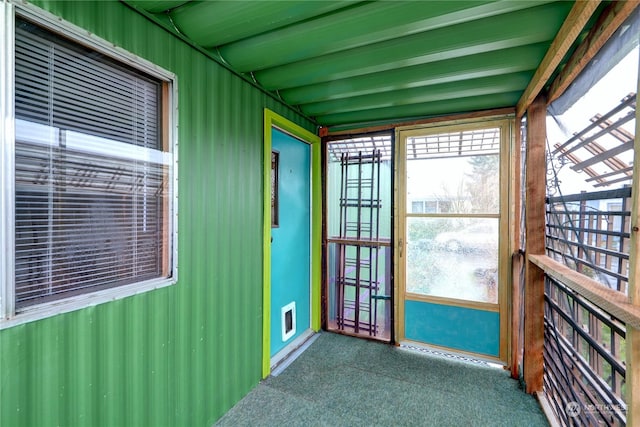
(610, 20)
(568, 33)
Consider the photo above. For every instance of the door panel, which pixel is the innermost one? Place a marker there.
(458, 259)
(452, 208)
(459, 328)
(290, 246)
(358, 245)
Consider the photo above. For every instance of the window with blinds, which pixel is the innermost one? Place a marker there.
(92, 171)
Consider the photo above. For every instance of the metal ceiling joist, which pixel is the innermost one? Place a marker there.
(369, 62)
(356, 27)
(157, 6)
(499, 32)
(610, 20)
(162, 21)
(214, 23)
(486, 64)
(578, 17)
(436, 93)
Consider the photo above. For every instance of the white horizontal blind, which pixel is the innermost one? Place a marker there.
(91, 175)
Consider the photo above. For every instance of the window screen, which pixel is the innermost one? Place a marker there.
(92, 174)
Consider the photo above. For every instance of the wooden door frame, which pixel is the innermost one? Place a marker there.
(507, 198)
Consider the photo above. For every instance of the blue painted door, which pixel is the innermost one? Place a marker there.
(290, 245)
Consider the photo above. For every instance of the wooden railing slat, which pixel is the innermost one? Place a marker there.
(609, 300)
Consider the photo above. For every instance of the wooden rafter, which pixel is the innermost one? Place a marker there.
(599, 154)
(629, 100)
(613, 162)
(614, 173)
(612, 17)
(569, 32)
(621, 134)
(575, 160)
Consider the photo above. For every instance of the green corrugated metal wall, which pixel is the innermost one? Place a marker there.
(181, 355)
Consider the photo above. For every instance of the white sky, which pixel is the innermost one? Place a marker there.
(603, 96)
(436, 177)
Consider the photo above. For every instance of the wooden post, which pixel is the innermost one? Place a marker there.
(632, 379)
(535, 244)
(516, 258)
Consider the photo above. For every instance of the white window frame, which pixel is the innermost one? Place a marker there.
(8, 315)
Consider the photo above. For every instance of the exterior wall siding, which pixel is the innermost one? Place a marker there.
(184, 354)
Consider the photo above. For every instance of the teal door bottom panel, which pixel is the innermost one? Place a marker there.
(291, 240)
(459, 328)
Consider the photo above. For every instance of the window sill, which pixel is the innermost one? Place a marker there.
(53, 308)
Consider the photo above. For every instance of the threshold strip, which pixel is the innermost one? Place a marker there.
(294, 355)
(447, 355)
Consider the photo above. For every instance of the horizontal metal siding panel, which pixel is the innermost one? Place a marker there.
(181, 355)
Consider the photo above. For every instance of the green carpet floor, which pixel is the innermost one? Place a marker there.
(344, 381)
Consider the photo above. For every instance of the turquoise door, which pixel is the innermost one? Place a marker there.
(290, 244)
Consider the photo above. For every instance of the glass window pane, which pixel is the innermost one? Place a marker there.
(453, 258)
(343, 184)
(92, 178)
(416, 207)
(460, 185)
